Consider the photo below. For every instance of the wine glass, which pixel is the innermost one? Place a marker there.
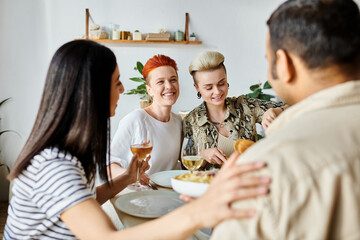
(143, 146)
(190, 155)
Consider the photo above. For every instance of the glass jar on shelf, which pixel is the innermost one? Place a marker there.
(116, 32)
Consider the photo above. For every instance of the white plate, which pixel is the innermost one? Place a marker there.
(164, 178)
(149, 204)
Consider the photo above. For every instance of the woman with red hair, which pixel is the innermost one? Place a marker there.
(160, 74)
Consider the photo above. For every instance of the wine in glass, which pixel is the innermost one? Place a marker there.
(142, 147)
(190, 158)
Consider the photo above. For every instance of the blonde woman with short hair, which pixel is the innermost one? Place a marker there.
(219, 121)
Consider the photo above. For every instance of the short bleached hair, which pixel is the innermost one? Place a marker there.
(205, 61)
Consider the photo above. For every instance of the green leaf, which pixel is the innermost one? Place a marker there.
(254, 94)
(141, 87)
(131, 92)
(257, 91)
(268, 96)
(254, 87)
(264, 97)
(267, 85)
(139, 67)
(137, 79)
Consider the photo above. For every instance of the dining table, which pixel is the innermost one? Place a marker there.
(130, 220)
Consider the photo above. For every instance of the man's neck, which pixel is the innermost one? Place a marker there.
(317, 80)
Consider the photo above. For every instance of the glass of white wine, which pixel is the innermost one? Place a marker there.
(190, 156)
(143, 147)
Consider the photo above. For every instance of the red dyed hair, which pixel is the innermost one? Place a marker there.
(157, 61)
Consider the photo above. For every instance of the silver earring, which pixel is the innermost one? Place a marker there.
(198, 95)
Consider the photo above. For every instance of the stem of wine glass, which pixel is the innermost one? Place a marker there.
(138, 175)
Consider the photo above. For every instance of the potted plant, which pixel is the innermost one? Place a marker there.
(192, 37)
(137, 35)
(140, 89)
(258, 93)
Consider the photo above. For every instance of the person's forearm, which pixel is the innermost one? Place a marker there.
(107, 191)
(180, 224)
(88, 221)
(119, 182)
(114, 170)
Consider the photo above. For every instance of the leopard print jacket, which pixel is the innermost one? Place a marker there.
(241, 116)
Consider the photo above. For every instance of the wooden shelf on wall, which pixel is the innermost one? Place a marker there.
(147, 41)
(186, 42)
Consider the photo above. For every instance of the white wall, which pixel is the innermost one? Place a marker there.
(31, 31)
(24, 59)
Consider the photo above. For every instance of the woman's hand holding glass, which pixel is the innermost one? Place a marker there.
(141, 148)
(132, 170)
(228, 186)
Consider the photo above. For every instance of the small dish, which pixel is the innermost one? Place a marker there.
(192, 189)
(163, 178)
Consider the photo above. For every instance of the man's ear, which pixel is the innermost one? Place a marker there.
(284, 66)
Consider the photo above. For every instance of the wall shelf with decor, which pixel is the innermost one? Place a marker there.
(147, 41)
(185, 42)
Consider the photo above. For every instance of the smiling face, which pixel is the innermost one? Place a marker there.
(115, 90)
(163, 86)
(212, 86)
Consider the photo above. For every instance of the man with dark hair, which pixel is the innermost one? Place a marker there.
(313, 148)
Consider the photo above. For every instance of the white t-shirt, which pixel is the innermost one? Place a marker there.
(53, 182)
(166, 137)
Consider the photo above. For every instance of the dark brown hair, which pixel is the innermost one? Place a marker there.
(75, 107)
(321, 32)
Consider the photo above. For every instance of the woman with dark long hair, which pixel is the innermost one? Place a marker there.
(54, 194)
